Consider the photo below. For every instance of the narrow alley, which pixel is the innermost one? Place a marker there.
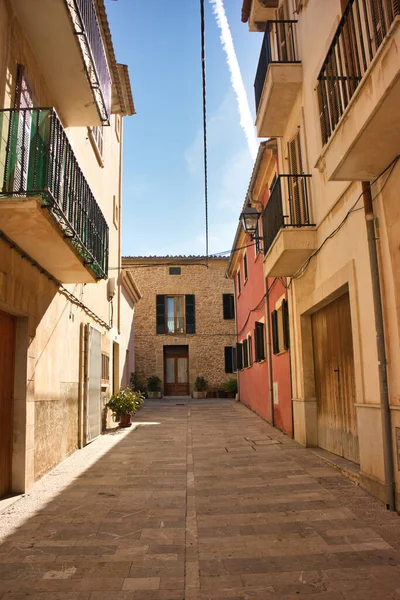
(200, 499)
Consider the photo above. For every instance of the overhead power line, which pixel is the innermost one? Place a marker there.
(203, 72)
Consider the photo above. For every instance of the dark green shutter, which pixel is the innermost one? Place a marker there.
(256, 351)
(160, 313)
(226, 306)
(228, 359)
(285, 318)
(234, 353)
(275, 333)
(190, 313)
(239, 356)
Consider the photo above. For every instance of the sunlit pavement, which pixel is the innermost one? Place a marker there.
(201, 500)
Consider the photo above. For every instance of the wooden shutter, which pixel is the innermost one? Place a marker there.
(245, 267)
(285, 318)
(160, 313)
(234, 359)
(190, 313)
(256, 355)
(378, 22)
(228, 359)
(275, 333)
(250, 350)
(396, 7)
(323, 111)
(297, 201)
(245, 354)
(239, 356)
(228, 306)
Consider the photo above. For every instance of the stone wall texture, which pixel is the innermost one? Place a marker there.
(213, 332)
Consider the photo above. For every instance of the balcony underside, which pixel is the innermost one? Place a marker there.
(282, 84)
(367, 137)
(259, 15)
(49, 30)
(290, 249)
(28, 223)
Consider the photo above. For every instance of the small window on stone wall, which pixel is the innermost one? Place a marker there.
(174, 270)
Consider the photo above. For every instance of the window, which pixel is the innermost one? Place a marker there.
(105, 367)
(245, 267)
(259, 342)
(239, 287)
(245, 354)
(118, 126)
(96, 138)
(228, 305)
(280, 328)
(174, 270)
(230, 359)
(175, 314)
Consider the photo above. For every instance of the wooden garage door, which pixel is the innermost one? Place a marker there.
(7, 350)
(334, 379)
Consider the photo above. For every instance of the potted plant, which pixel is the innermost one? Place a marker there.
(125, 403)
(212, 393)
(200, 388)
(136, 382)
(154, 387)
(221, 393)
(231, 387)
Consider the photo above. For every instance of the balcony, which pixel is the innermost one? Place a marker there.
(278, 80)
(175, 325)
(46, 205)
(261, 11)
(288, 239)
(66, 39)
(359, 92)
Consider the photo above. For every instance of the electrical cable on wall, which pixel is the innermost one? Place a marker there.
(203, 72)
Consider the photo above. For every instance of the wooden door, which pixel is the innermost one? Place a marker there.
(176, 370)
(334, 379)
(7, 352)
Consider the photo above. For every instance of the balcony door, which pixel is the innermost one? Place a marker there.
(297, 201)
(176, 370)
(175, 314)
(20, 133)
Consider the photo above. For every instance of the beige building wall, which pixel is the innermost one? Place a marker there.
(342, 265)
(49, 378)
(213, 333)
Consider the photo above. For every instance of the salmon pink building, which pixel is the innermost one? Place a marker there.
(262, 325)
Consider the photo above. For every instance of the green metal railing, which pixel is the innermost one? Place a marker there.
(36, 159)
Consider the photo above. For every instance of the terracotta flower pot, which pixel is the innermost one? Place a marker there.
(125, 421)
(199, 394)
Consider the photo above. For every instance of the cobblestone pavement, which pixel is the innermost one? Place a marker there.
(202, 501)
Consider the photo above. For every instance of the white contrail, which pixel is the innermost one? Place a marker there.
(246, 120)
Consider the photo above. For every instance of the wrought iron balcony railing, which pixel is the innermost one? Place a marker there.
(358, 37)
(175, 325)
(36, 159)
(273, 217)
(278, 46)
(88, 31)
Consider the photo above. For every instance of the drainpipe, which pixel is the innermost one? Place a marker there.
(380, 343)
(269, 356)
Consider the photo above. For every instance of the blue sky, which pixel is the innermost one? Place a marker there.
(163, 197)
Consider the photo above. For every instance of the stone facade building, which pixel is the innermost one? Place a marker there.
(63, 97)
(184, 322)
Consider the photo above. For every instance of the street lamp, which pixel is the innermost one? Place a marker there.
(249, 218)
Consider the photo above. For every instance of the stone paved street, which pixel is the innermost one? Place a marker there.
(202, 501)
